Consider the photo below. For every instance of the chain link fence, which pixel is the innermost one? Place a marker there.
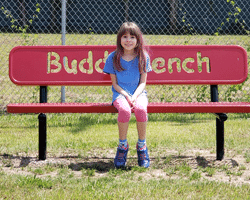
(96, 22)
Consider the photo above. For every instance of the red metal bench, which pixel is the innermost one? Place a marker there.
(82, 66)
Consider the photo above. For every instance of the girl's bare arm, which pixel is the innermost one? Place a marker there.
(119, 89)
(140, 87)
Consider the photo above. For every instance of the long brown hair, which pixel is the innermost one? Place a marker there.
(132, 29)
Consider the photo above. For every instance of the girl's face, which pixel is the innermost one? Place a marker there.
(128, 42)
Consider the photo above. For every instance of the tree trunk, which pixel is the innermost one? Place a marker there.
(173, 15)
(23, 12)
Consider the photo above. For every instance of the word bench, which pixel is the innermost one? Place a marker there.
(172, 65)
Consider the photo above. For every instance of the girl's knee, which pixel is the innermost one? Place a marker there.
(141, 114)
(140, 109)
(124, 115)
(124, 110)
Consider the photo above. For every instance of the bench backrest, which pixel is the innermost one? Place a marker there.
(83, 65)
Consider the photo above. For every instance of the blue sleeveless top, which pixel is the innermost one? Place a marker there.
(128, 79)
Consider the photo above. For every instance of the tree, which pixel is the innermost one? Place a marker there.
(173, 15)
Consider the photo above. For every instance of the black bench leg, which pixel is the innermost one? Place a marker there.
(42, 136)
(221, 117)
(219, 139)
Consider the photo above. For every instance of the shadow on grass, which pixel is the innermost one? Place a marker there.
(99, 166)
(204, 163)
(8, 158)
(106, 165)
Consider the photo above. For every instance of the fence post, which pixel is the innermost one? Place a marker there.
(64, 3)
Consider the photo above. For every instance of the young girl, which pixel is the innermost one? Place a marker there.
(128, 67)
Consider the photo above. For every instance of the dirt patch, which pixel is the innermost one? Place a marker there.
(169, 164)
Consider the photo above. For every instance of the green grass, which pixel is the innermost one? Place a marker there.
(82, 132)
(80, 155)
(18, 187)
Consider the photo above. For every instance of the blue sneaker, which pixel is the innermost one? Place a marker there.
(121, 156)
(143, 158)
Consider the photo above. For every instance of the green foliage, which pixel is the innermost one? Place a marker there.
(38, 171)
(29, 39)
(247, 156)
(187, 28)
(33, 181)
(88, 172)
(210, 171)
(233, 14)
(139, 169)
(234, 89)
(195, 176)
(201, 93)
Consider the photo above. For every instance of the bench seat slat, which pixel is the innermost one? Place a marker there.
(167, 107)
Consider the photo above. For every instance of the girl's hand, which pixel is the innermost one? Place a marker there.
(133, 100)
(130, 100)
